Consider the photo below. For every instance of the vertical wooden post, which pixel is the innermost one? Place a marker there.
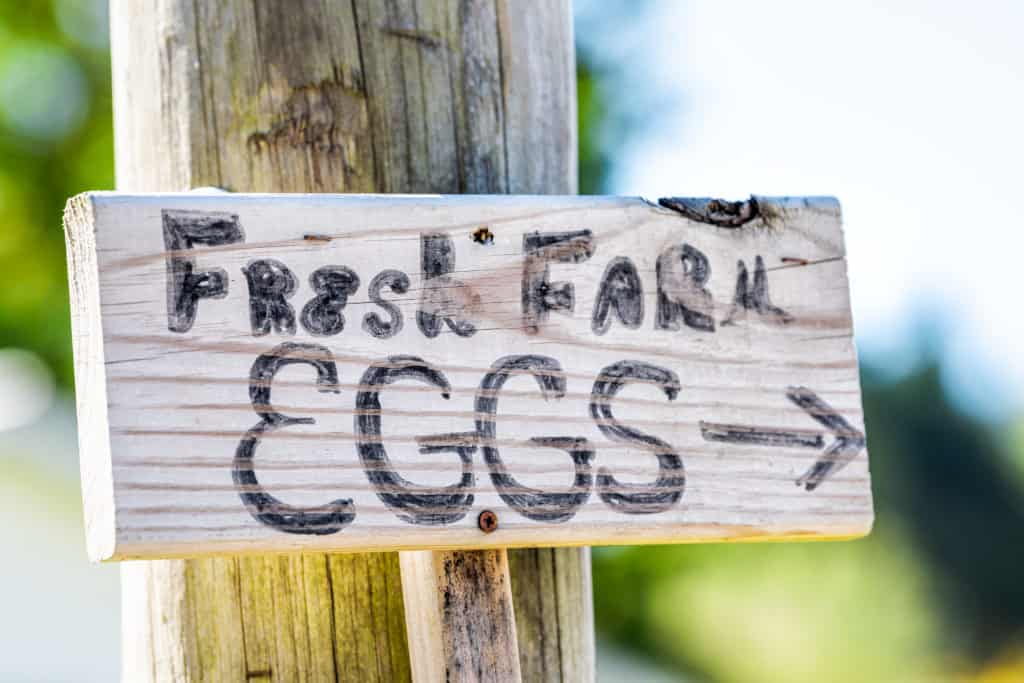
(347, 96)
(459, 615)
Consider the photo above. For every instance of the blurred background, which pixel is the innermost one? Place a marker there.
(909, 112)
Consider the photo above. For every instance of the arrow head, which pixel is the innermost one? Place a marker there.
(848, 443)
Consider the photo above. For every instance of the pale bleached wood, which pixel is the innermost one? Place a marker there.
(180, 403)
(463, 630)
(540, 130)
(90, 383)
(277, 96)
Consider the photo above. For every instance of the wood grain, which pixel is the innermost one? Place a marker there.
(758, 400)
(301, 97)
(462, 630)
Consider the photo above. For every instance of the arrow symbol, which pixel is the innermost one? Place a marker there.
(848, 441)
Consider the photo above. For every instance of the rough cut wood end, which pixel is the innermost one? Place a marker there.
(90, 378)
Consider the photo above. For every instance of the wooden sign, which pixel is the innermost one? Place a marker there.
(262, 373)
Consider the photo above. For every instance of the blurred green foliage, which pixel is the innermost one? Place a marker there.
(594, 157)
(611, 39)
(948, 482)
(56, 139)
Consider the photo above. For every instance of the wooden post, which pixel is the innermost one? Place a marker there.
(460, 621)
(424, 96)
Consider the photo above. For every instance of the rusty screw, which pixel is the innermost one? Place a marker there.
(483, 235)
(487, 521)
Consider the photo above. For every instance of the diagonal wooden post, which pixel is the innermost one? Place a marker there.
(338, 96)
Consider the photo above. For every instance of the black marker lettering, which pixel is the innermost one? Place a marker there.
(682, 272)
(540, 296)
(668, 488)
(320, 520)
(444, 299)
(270, 283)
(414, 504)
(622, 291)
(185, 287)
(333, 285)
(532, 503)
(372, 323)
(756, 298)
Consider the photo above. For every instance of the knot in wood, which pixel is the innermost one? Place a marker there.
(720, 212)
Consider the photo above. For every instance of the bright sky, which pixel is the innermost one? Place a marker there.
(910, 112)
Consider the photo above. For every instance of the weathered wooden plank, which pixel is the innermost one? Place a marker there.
(696, 363)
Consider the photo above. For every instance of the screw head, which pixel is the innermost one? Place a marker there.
(487, 521)
(483, 235)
